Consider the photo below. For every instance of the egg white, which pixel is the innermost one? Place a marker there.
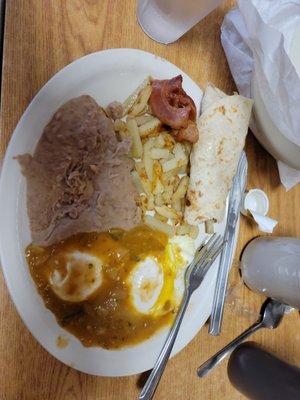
(83, 277)
(146, 281)
(154, 282)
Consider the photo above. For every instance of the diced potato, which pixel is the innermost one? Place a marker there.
(149, 143)
(148, 166)
(159, 141)
(148, 162)
(144, 203)
(169, 140)
(157, 154)
(174, 182)
(137, 182)
(177, 206)
(142, 101)
(167, 194)
(179, 152)
(149, 127)
(155, 223)
(158, 188)
(157, 169)
(183, 169)
(133, 97)
(158, 199)
(137, 147)
(194, 232)
(150, 205)
(139, 166)
(142, 119)
(186, 229)
(169, 165)
(181, 189)
(146, 186)
(187, 147)
(170, 175)
(160, 217)
(209, 226)
(183, 229)
(167, 212)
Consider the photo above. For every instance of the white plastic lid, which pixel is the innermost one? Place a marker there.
(256, 200)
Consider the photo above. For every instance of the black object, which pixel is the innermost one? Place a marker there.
(259, 375)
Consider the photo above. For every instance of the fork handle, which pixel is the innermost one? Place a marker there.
(158, 369)
(206, 367)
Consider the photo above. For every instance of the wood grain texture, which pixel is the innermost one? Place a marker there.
(40, 38)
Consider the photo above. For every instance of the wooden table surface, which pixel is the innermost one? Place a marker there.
(40, 38)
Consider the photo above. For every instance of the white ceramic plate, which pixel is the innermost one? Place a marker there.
(106, 76)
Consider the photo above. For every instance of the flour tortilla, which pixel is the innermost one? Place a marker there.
(223, 127)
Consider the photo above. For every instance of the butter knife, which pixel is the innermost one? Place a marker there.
(234, 206)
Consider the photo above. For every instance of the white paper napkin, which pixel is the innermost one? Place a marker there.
(265, 224)
(245, 36)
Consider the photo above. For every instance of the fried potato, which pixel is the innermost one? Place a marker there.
(194, 232)
(167, 212)
(148, 161)
(157, 154)
(179, 152)
(150, 205)
(159, 141)
(137, 182)
(177, 206)
(158, 199)
(209, 226)
(142, 101)
(158, 188)
(149, 127)
(167, 194)
(143, 119)
(133, 97)
(160, 217)
(155, 223)
(182, 229)
(137, 147)
(169, 165)
(181, 189)
(186, 229)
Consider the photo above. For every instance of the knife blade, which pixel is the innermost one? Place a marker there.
(234, 206)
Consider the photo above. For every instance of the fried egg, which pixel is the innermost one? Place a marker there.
(156, 282)
(81, 278)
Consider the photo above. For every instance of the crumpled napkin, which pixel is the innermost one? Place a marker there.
(245, 36)
(265, 224)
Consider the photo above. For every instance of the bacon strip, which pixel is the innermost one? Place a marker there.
(170, 103)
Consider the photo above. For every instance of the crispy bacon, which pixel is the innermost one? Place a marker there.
(190, 133)
(174, 107)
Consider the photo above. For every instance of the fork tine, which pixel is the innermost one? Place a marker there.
(211, 254)
(218, 250)
(211, 244)
(213, 241)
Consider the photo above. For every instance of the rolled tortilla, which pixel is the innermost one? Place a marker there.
(223, 127)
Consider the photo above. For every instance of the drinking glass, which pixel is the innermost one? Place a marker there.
(165, 21)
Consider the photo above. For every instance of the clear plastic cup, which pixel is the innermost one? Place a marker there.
(165, 21)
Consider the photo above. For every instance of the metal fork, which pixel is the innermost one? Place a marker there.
(195, 273)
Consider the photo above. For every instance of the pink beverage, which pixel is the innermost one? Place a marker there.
(165, 21)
